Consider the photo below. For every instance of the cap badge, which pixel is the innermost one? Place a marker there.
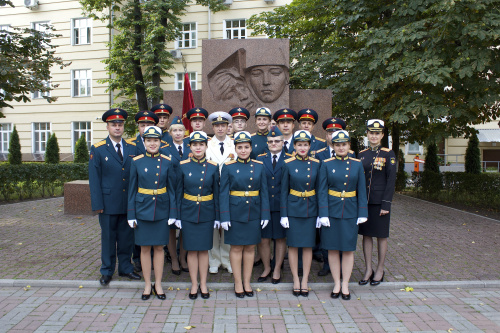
(308, 111)
(197, 110)
(151, 131)
(341, 135)
(272, 133)
(239, 109)
(302, 135)
(117, 111)
(285, 111)
(162, 107)
(197, 136)
(376, 125)
(219, 118)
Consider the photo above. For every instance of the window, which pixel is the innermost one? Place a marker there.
(413, 149)
(41, 133)
(234, 29)
(81, 31)
(179, 81)
(5, 132)
(82, 82)
(4, 28)
(188, 36)
(85, 128)
(40, 94)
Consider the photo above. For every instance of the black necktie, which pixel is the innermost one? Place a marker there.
(222, 148)
(286, 146)
(274, 161)
(180, 150)
(332, 153)
(119, 151)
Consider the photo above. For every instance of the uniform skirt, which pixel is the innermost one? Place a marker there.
(197, 236)
(341, 235)
(302, 232)
(243, 233)
(274, 230)
(148, 233)
(376, 226)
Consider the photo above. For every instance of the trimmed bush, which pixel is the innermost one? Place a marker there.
(15, 156)
(473, 156)
(401, 176)
(52, 150)
(81, 150)
(431, 159)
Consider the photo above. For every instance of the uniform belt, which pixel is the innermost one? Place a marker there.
(152, 192)
(342, 194)
(244, 193)
(303, 194)
(198, 197)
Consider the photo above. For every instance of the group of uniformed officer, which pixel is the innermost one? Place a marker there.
(273, 148)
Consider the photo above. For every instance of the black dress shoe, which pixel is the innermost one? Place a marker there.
(176, 271)
(104, 280)
(304, 292)
(248, 293)
(318, 257)
(193, 296)
(363, 282)
(185, 269)
(346, 297)
(160, 296)
(263, 278)
(335, 295)
(323, 272)
(376, 283)
(145, 297)
(203, 295)
(275, 281)
(239, 295)
(131, 275)
(137, 267)
(257, 263)
(296, 292)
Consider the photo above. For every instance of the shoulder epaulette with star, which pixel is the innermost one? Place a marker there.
(320, 139)
(260, 162)
(314, 160)
(290, 159)
(385, 149)
(212, 162)
(230, 162)
(130, 141)
(165, 157)
(165, 142)
(354, 159)
(364, 150)
(138, 157)
(100, 143)
(320, 150)
(263, 154)
(185, 161)
(165, 146)
(329, 159)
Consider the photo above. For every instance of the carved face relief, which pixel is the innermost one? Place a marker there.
(268, 81)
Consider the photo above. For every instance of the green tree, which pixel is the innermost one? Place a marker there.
(473, 155)
(52, 150)
(15, 156)
(138, 57)
(431, 158)
(429, 67)
(81, 150)
(401, 176)
(26, 57)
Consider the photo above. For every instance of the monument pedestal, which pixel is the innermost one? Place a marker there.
(77, 198)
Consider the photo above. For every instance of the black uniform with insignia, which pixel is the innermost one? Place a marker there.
(380, 171)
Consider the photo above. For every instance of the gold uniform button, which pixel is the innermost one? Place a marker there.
(123, 169)
(199, 187)
(306, 184)
(272, 196)
(347, 168)
(156, 182)
(247, 201)
(154, 198)
(157, 166)
(197, 203)
(157, 174)
(201, 179)
(249, 186)
(273, 178)
(308, 162)
(308, 169)
(273, 186)
(251, 178)
(123, 190)
(308, 176)
(345, 183)
(203, 172)
(347, 175)
(158, 160)
(123, 179)
(251, 171)
(342, 199)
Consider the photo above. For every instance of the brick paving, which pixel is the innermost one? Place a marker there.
(429, 245)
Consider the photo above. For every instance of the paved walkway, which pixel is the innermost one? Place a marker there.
(449, 257)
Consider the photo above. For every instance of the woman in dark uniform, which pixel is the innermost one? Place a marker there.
(299, 208)
(198, 200)
(178, 151)
(380, 172)
(344, 195)
(151, 202)
(244, 210)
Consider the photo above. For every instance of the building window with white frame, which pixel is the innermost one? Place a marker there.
(179, 80)
(41, 133)
(85, 128)
(413, 149)
(40, 94)
(81, 82)
(4, 28)
(81, 29)
(188, 36)
(235, 29)
(5, 133)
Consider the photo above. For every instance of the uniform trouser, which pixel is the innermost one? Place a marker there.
(117, 240)
(219, 254)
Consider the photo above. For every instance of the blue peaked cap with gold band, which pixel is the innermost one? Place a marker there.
(242, 136)
(274, 132)
(264, 112)
(375, 125)
(152, 132)
(176, 121)
(198, 136)
(341, 136)
(114, 116)
(146, 117)
(301, 136)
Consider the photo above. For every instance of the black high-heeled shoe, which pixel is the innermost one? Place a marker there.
(335, 295)
(276, 281)
(195, 295)
(239, 295)
(145, 297)
(304, 292)
(375, 282)
(364, 282)
(346, 297)
(264, 278)
(248, 293)
(203, 295)
(296, 292)
(159, 296)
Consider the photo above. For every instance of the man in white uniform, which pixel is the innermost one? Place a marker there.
(220, 150)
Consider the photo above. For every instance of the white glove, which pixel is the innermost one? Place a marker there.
(216, 224)
(318, 223)
(284, 222)
(178, 224)
(225, 225)
(325, 221)
(132, 223)
(263, 223)
(362, 220)
(171, 221)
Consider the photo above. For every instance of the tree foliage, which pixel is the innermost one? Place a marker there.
(473, 155)
(15, 156)
(139, 58)
(429, 66)
(52, 150)
(26, 57)
(81, 150)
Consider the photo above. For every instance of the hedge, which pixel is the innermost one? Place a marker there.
(29, 178)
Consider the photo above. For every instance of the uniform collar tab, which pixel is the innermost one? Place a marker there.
(301, 158)
(375, 148)
(244, 161)
(201, 160)
(345, 158)
(152, 155)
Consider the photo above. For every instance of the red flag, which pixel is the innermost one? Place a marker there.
(187, 103)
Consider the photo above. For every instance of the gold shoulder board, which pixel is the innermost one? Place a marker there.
(385, 149)
(329, 159)
(100, 143)
(230, 162)
(354, 159)
(290, 159)
(165, 157)
(263, 154)
(320, 139)
(138, 157)
(314, 159)
(185, 161)
(260, 162)
(212, 162)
